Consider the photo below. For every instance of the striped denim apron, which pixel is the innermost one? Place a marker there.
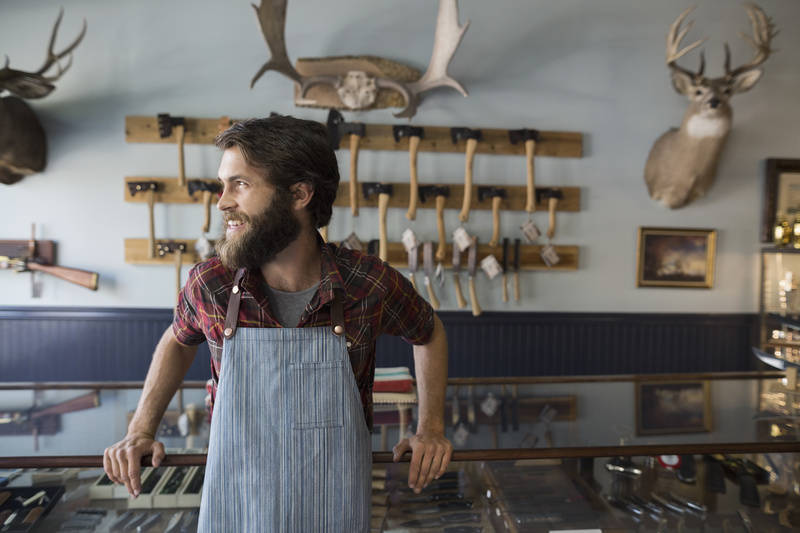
(289, 450)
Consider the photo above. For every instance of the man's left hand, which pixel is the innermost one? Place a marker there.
(430, 456)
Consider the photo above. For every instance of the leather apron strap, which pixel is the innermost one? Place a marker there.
(232, 315)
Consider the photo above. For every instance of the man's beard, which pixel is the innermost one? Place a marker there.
(267, 234)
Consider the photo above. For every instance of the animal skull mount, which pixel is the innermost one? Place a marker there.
(682, 164)
(23, 144)
(365, 82)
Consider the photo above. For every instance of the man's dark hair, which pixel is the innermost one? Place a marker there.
(292, 151)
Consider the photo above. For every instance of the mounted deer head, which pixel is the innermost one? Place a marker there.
(23, 145)
(357, 89)
(682, 163)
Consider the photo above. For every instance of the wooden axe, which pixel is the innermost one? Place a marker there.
(338, 128)
(208, 190)
(384, 191)
(497, 194)
(177, 248)
(473, 137)
(441, 194)
(414, 135)
(553, 196)
(150, 187)
(166, 124)
(531, 137)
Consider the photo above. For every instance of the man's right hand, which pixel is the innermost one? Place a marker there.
(122, 461)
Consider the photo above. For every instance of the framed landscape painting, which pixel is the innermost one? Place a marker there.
(674, 257)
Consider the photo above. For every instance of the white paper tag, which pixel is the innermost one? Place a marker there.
(353, 242)
(549, 255)
(409, 240)
(461, 238)
(489, 405)
(491, 266)
(204, 248)
(530, 231)
(460, 435)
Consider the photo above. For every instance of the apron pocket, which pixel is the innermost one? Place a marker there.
(317, 395)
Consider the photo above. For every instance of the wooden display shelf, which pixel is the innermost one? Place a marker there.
(515, 200)
(136, 253)
(18, 249)
(169, 192)
(144, 129)
(529, 257)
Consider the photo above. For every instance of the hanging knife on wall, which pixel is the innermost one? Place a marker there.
(427, 254)
(462, 303)
(472, 265)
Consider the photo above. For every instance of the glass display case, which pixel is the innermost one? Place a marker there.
(613, 453)
(780, 303)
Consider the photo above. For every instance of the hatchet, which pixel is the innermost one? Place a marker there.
(414, 135)
(497, 194)
(473, 137)
(384, 191)
(208, 190)
(166, 124)
(553, 196)
(441, 194)
(338, 128)
(150, 187)
(530, 137)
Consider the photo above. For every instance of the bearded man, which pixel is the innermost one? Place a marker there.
(291, 323)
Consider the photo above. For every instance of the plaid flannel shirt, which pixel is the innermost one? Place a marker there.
(378, 300)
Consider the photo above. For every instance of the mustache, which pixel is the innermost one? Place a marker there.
(235, 217)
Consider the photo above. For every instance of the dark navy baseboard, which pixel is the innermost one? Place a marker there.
(116, 344)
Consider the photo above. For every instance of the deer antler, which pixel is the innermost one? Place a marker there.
(674, 38)
(271, 16)
(763, 33)
(447, 38)
(36, 84)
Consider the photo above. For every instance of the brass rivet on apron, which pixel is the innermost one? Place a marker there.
(228, 332)
(235, 289)
(348, 344)
(338, 330)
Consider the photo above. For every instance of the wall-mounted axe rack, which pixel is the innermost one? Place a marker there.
(136, 252)
(144, 129)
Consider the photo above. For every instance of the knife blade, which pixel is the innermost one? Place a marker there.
(427, 254)
(780, 364)
(517, 249)
(413, 266)
(472, 266)
(462, 302)
(505, 268)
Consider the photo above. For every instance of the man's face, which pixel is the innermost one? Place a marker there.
(258, 220)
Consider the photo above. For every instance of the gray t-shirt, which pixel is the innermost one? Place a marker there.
(288, 307)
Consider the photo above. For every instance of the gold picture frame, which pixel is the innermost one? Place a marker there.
(781, 194)
(673, 407)
(676, 257)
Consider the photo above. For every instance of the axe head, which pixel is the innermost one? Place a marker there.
(338, 128)
(523, 135)
(407, 131)
(200, 185)
(165, 123)
(490, 192)
(457, 134)
(432, 191)
(548, 193)
(371, 188)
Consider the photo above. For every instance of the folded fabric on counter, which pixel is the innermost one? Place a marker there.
(394, 379)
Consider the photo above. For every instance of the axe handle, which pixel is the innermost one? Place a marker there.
(440, 251)
(530, 148)
(178, 265)
(552, 203)
(431, 294)
(462, 302)
(413, 279)
(495, 221)
(383, 204)
(505, 287)
(207, 211)
(517, 294)
(151, 240)
(180, 131)
(473, 296)
(413, 149)
(471, 145)
(355, 141)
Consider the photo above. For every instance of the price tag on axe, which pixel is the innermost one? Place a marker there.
(491, 266)
(549, 255)
(461, 239)
(409, 240)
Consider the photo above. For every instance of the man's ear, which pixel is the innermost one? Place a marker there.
(302, 193)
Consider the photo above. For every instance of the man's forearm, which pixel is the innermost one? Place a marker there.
(430, 365)
(171, 361)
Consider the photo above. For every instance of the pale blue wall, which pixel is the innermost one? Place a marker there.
(595, 67)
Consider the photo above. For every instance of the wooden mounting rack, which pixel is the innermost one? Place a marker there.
(144, 129)
(136, 253)
(16, 249)
(170, 192)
